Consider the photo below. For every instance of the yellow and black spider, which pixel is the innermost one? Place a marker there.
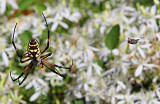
(34, 54)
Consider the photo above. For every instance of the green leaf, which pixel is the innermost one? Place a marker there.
(40, 7)
(25, 37)
(25, 4)
(98, 8)
(44, 36)
(44, 99)
(8, 10)
(100, 63)
(145, 3)
(76, 3)
(112, 38)
(79, 101)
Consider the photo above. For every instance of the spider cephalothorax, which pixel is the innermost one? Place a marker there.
(34, 53)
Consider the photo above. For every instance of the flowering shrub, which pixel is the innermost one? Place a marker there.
(94, 34)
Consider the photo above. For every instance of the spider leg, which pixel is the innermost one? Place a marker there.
(24, 60)
(21, 56)
(48, 35)
(56, 72)
(25, 55)
(44, 56)
(54, 65)
(21, 73)
(26, 75)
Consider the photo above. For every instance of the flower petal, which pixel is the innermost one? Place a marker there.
(157, 16)
(119, 97)
(54, 26)
(29, 85)
(153, 10)
(97, 68)
(121, 84)
(89, 71)
(35, 96)
(42, 82)
(13, 3)
(5, 58)
(138, 70)
(115, 52)
(86, 87)
(150, 65)
(64, 25)
(2, 6)
(77, 94)
(141, 53)
(158, 93)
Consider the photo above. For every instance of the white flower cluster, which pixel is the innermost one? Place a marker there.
(98, 75)
(59, 13)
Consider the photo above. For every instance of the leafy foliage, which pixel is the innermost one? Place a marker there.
(25, 37)
(25, 4)
(106, 69)
(112, 38)
(40, 7)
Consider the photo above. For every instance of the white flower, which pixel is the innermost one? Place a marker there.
(74, 17)
(121, 84)
(153, 12)
(57, 21)
(138, 70)
(4, 51)
(60, 12)
(86, 50)
(34, 96)
(141, 53)
(54, 79)
(151, 21)
(36, 82)
(5, 58)
(3, 4)
(103, 53)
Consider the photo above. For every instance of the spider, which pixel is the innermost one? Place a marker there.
(34, 54)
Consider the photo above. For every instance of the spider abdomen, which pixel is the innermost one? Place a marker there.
(34, 49)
